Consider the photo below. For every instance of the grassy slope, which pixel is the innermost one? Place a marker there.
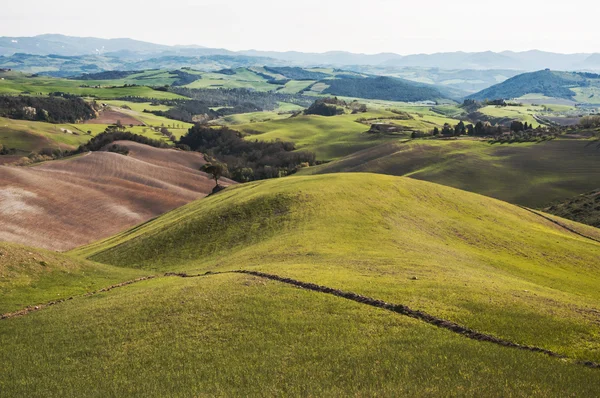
(240, 336)
(17, 83)
(34, 276)
(527, 174)
(338, 136)
(480, 262)
(328, 137)
(584, 208)
(524, 114)
(31, 136)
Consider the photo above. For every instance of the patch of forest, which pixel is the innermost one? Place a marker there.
(52, 109)
(246, 160)
(382, 88)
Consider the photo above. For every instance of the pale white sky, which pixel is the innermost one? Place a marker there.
(368, 26)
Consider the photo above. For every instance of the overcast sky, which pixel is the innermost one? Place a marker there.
(369, 26)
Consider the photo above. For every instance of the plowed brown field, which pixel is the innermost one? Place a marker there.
(63, 204)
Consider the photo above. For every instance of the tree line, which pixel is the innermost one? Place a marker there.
(246, 160)
(52, 109)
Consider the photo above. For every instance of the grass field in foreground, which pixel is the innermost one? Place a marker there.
(34, 276)
(528, 174)
(234, 335)
(480, 262)
(477, 261)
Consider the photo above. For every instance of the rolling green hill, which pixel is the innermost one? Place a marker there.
(584, 208)
(547, 83)
(31, 276)
(527, 174)
(383, 88)
(479, 262)
(337, 136)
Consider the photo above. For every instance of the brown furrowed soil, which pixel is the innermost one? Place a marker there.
(63, 204)
(111, 116)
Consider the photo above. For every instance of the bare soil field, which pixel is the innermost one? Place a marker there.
(63, 204)
(110, 116)
(564, 121)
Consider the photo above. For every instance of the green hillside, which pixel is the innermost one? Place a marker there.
(584, 208)
(545, 83)
(383, 88)
(34, 276)
(342, 135)
(14, 83)
(528, 174)
(479, 262)
(321, 229)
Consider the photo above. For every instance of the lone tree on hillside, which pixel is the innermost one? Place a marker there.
(215, 168)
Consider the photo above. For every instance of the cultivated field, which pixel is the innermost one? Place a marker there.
(63, 204)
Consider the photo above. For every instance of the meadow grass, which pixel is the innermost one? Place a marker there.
(337, 136)
(530, 174)
(31, 136)
(138, 106)
(234, 335)
(18, 83)
(35, 276)
(521, 113)
(587, 95)
(478, 261)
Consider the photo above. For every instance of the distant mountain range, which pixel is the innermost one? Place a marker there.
(134, 50)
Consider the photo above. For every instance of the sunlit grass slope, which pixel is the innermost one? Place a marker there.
(334, 137)
(34, 276)
(528, 174)
(478, 261)
(234, 335)
(327, 137)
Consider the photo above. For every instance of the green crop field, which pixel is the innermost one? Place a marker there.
(295, 86)
(476, 261)
(587, 95)
(521, 113)
(18, 83)
(30, 136)
(243, 78)
(138, 106)
(528, 174)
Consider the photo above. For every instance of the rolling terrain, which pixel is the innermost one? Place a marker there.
(63, 204)
(527, 174)
(109, 54)
(575, 86)
(470, 260)
(584, 208)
